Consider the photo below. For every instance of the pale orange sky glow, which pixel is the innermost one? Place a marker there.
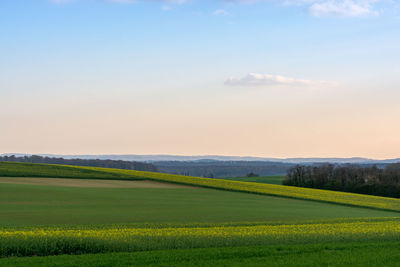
(270, 123)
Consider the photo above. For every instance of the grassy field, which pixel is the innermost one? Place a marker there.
(32, 205)
(350, 199)
(13, 169)
(325, 254)
(261, 179)
(42, 241)
(210, 222)
(90, 183)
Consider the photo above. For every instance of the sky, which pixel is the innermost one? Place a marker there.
(294, 78)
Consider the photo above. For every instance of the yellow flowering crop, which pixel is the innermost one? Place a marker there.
(55, 241)
(276, 231)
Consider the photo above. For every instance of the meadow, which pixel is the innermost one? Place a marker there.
(32, 205)
(53, 241)
(349, 199)
(13, 169)
(276, 179)
(207, 222)
(332, 254)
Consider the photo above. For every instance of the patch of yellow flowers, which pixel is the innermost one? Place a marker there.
(380, 228)
(54, 241)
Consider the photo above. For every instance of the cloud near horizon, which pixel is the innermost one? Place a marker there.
(269, 80)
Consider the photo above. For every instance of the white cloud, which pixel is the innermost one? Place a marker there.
(344, 8)
(317, 8)
(60, 1)
(179, 2)
(122, 1)
(221, 12)
(322, 8)
(270, 80)
(242, 1)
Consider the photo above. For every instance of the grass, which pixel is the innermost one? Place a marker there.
(61, 240)
(350, 199)
(218, 216)
(324, 254)
(32, 205)
(260, 179)
(14, 169)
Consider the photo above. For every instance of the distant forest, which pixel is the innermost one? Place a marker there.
(117, 164)
(220, 169)
(348, 178)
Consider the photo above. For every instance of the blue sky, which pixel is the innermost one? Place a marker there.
(263, 78)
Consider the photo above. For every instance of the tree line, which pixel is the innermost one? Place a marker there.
(117, 164)
(348, 178)
(220, 169)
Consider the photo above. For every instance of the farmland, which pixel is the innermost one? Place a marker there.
(339, 254)
(259, 179)
(199, 133)
(31, 205)
(350, 199)
(50, 241)
(83, 210)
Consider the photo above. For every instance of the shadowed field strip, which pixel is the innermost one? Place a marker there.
(89, 183)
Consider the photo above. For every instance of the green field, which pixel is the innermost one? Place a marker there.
(349, 199)
(13, 169)
(210, 222)
(330, 254)
(31, 205)
(261, 179)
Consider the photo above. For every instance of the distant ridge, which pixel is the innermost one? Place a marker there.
(154, 158)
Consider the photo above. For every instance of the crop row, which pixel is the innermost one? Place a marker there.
(78, 241)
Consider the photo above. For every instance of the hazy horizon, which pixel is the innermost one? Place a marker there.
(279, 79)
(196, 156)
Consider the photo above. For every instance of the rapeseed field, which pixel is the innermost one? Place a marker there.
(53, 241)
